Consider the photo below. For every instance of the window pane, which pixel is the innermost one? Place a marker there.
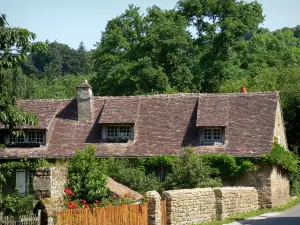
(12, 138)
(207, 134)
(31, 137)
(20, 139)
(112, 131)
(125, 131)
(40, 137)
(217, 134)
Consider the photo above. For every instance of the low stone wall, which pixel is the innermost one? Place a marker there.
(193, 206)
(235, 200)
(190, 206)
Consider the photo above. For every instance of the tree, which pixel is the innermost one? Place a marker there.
(145, 54)
(220, 25)
(15, 43)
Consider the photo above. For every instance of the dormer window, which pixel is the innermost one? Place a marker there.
(211, 135)
(27, 139)
(118, 133)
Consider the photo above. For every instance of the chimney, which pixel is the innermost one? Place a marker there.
(244, 89)
(84, 102)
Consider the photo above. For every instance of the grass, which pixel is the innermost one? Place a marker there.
(250, 214)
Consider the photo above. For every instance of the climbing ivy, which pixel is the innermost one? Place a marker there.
(281, 157)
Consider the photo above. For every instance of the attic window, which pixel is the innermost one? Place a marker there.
(118, 133)
(27, 139)
(211, 135)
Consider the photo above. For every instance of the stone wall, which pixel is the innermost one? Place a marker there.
(50, 182)
(193, 206)
(280, 187)
(235, 200)
(154, 209)
(190, 206)
(271, 182)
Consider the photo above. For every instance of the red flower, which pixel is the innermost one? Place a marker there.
(126, 195)
(150, 201)
(97, 202)
(68, 191)
(119, 197)
(78, 212)
(60, 201)
(114, 197)
(84, 202)
(70, 206)
(69, 199)
(86, 206)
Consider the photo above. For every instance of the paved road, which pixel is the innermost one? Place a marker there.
(289, 217)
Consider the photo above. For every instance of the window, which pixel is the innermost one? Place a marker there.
(16, 139)
(36, 137)
(27, 139)
(211, 135)
(121, 133)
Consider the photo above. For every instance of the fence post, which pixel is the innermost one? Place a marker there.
(1, 214)
(39, 217)
(154, 208)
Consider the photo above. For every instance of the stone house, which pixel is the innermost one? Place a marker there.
(241, 124)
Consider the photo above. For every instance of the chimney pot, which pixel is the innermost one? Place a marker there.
(243, 89)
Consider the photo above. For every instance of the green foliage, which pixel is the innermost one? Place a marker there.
(190, 171)
(227, 166)
(87, 175)
(125, 172)
(295, 182)
(17, 205)
(281, 157)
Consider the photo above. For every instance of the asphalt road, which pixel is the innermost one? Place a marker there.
(289, 217)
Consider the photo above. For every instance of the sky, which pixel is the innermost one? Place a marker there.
(72, 21)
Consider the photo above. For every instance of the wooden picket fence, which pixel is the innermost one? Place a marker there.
(128, 214)
(23, 220)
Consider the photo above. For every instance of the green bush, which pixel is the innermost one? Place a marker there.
(227, 166)
(87, 175)
(17, 205)
(125, 172)
(190, 171)
(295, 182)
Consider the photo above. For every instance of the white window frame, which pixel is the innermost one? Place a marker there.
(26, 137)
(213, 140)
(105, 131)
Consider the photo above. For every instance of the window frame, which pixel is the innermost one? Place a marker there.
(105, 135)
(26, 137)
(213, 140)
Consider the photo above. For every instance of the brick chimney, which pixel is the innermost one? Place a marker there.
(84, 102)
(244, 89)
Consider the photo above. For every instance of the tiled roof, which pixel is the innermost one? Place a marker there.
(163, 124)
(121, 190)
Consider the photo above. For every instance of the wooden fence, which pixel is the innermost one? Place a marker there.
(112, 215)
(23, 220)
(163, 208)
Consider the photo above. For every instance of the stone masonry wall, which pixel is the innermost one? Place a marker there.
(154, 209)
(50, 182)
(193, 206)
(235, 200)
(280, 187)
(271, 182)
(190, 206)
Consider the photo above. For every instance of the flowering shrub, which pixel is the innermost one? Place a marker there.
(70, 201)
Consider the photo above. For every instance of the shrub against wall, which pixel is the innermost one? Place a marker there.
(133, 176)
(87, 175)
(190, 171)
